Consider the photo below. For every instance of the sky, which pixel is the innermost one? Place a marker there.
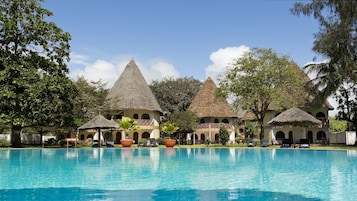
(177, 38)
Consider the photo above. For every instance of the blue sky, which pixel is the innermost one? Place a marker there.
(177, 38)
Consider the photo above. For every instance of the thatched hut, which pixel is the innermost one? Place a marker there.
(97, 125)
(212, 110)
(132, 97)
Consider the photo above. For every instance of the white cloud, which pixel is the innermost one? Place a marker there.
(109, 71)
(78, 59)
(223, 58)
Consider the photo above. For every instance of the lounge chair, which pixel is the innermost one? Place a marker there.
(95, 144)
(304, 143)
(251, 144)
(110, 143)
(143, 144)
(265, 143)
(153, 143)
(286, 143)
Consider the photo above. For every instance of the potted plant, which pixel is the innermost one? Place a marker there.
(168, 129)
(128, 125)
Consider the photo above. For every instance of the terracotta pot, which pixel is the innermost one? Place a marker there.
(169, 143)
(126, 142)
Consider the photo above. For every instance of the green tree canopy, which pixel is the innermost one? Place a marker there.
(186, 121)
(337, 125)
(336, 40)
(34, 87)
(175, 95)
(262, 79)
(223, 134)
(90, 100)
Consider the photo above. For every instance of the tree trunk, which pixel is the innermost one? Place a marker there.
(16, 136)
(261, 132)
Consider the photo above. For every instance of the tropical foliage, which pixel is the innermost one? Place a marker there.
(260, 79)
(169, 128)
(128, 124)
(337, 125)
(90, 100)
(175, 95)
(223, 134)
(35, 89)
(336, 41)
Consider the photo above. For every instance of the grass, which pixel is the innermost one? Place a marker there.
(242, 146)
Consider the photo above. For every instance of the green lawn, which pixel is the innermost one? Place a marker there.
(242, 146)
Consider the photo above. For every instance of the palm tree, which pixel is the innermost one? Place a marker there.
(128, 125)
(169, 129)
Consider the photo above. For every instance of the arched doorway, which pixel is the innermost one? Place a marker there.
(216, 138)
(203, 138)
(136, 137)
(291, 136)
(310, 137)
(117, 137)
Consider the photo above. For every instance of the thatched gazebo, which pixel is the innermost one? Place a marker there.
(295, 117)
(99, 122)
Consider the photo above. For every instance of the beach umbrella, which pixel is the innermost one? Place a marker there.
(99, 122)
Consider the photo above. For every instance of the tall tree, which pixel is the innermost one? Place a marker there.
(347, 105)
(336, 40)
(258, 79)
(175, 95)
(90, 100)
(186, 121)
(34, 87)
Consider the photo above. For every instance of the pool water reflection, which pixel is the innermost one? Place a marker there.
(177, 174)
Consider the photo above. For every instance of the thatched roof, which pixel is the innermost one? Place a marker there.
(99, 122)
(131, 91)
(207, 104)
(294, 117)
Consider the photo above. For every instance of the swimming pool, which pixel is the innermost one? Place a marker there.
(177, 174)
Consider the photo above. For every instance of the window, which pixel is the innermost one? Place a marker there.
(216, 121)
(145, 135)
(225, 121)
(321, 135)
(135, 116)
(145, 116)
(202, 121)
(280, 135)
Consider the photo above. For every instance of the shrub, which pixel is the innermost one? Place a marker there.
(4, 143)
(223, 134)
(62, 143)
(160, 141)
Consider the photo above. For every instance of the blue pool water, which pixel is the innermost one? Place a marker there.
(178, 174)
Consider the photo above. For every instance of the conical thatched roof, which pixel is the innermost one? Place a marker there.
(99, 122)
(207, 104)
(294, 117)
(131, 91)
